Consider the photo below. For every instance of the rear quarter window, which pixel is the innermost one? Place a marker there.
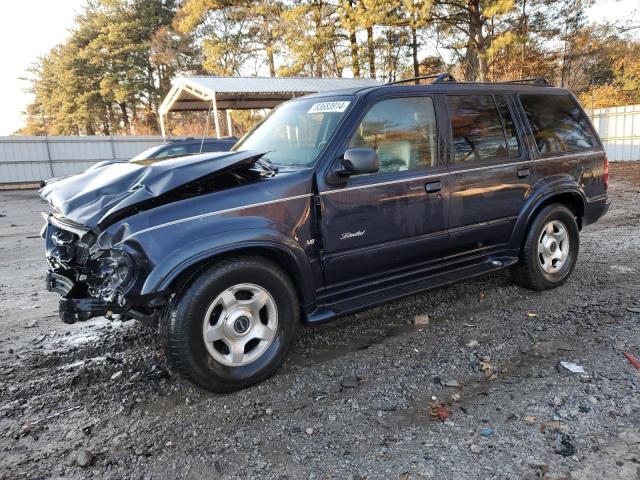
(557, 123)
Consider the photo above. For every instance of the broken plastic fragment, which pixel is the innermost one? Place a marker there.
(572, 367)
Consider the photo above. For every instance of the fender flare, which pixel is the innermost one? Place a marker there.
(541, 197)
(298, 266)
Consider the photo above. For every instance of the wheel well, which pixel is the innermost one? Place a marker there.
(572, 201)
(277, 256)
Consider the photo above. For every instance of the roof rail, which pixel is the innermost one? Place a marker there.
(532, 80)
(438, 78)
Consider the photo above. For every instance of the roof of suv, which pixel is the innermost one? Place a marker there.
(445, 82)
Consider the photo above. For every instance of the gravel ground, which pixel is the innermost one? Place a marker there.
(478, 392)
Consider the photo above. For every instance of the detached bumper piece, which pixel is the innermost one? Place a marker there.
(74, 310)
(75, 305)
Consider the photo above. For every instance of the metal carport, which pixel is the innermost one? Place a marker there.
(243, 93)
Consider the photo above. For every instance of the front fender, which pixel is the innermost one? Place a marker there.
(175, 249)
(541, 193)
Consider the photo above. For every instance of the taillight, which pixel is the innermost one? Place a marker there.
(605, 173)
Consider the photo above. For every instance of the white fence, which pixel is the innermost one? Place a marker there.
(619, 129)
(31, 159)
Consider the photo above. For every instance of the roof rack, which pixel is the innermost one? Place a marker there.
(526, 81)
(438, 78)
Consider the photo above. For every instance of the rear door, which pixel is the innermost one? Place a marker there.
(394, 220)
(490, 175)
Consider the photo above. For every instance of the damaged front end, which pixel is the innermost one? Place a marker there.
(93, 264)
(92, 281)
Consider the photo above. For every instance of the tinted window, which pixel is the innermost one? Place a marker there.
(509, 128)
(403, 133)
(476, 127)
(557, 123)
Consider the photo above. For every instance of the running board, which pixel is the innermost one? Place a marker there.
(327, 312)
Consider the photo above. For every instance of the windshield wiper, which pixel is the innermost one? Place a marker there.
(267, 166)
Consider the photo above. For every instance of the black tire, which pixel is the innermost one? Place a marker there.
(181, 326)
(528, 272)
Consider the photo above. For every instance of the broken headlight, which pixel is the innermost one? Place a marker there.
(114, 273)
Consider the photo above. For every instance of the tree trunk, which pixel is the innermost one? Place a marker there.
(414, 52)
(355, 61)
(270, 60)
(525, 28)
(125, 117)
(476, 48)
(371, 53)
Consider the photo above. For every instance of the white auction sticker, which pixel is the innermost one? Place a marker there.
(324, 107)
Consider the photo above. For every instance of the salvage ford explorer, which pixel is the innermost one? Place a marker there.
(335, 203)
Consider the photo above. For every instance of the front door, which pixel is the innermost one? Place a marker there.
(490, 178)
(394, 220)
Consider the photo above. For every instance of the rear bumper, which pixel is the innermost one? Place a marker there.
(594, 209)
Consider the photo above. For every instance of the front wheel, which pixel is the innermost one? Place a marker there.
(233, 326)
(550, 249)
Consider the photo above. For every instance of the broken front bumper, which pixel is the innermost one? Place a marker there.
(75, 306)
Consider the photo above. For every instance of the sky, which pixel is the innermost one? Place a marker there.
(30, 28)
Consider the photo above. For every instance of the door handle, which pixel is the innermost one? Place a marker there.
(523, 172)
(433, 187)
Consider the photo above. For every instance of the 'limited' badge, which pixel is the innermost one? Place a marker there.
(346, 235)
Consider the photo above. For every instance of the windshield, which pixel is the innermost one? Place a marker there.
(296, 132)
(148, 153)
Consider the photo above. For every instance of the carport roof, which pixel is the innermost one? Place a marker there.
(238, 93)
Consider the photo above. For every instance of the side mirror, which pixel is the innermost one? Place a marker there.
(358, 161)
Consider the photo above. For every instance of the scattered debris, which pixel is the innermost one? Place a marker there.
(438, 411)
(473, 343)
(309, 431)
(632, 359)
(486, 432)
(421, 319)
(563, 445)
(455, 397)
(54, 415)
(532, 314)
(84, 458)
(349, 382)
(487, 368)
(529, 419)
(117, 375)
(475, 448)
(451, 383)
(572, 367)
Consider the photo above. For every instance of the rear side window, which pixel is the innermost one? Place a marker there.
(477, 128)
(403, 133)
(558, 125)
(509, 129)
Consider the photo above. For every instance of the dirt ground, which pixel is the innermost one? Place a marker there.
(477, 393)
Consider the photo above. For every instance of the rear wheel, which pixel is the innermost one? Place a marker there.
(550, 249)
(233, 325)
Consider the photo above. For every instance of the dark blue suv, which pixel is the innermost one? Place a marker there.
(335, 203)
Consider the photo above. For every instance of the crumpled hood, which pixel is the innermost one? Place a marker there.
(91, 197)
